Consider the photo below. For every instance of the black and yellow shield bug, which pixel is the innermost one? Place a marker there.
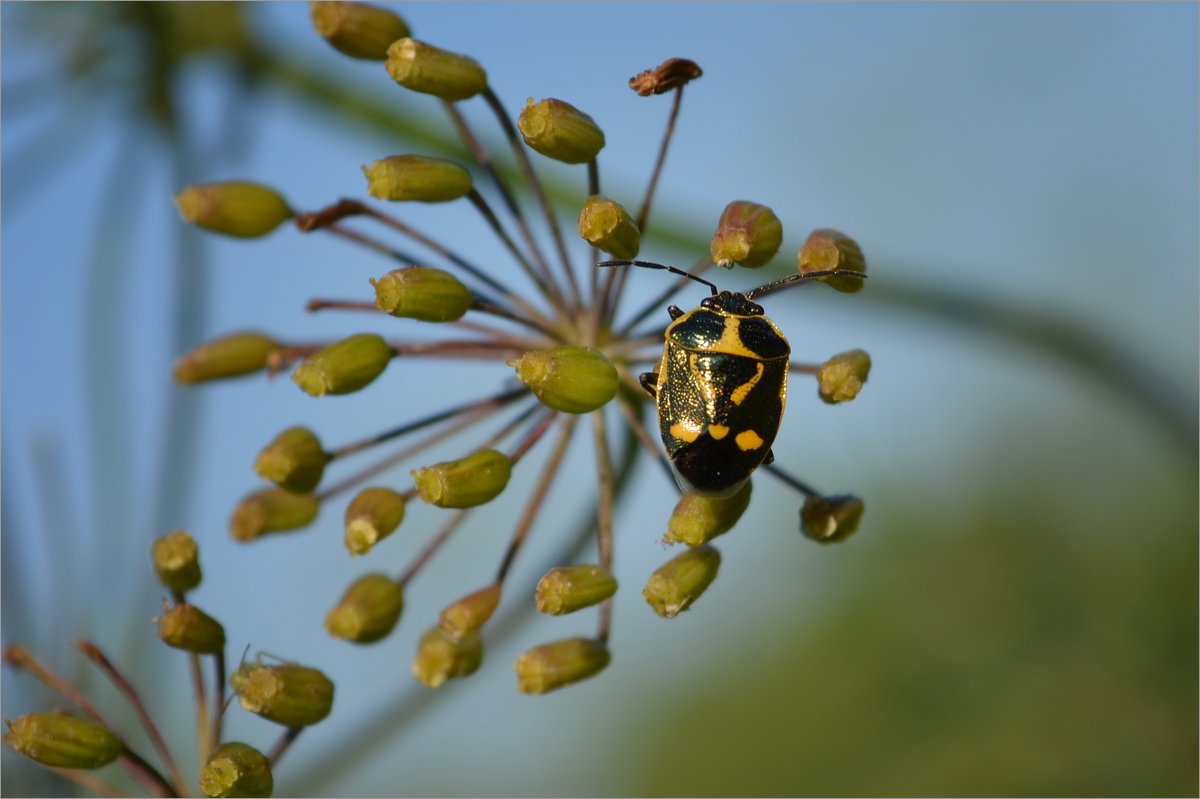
(721, 385)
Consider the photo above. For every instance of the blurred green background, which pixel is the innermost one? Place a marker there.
(1018, 613)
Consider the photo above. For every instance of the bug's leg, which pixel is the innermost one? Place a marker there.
(675, 311)
(767, 461)
(649, 381)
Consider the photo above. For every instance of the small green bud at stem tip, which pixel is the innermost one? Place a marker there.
(62, 741)
(176, 561)
(237, 769)
(680, 581)
(372, 516)
(401, 178)
(345, 366)
(191, 629)
(830, 250)
(294, 460)
(430, 70)
(235, 208)
(420, 292)
(469, 614)
(831, 519)
(842, 376)
(567, 589)
(608, 226)
(748, 234)
(561, 131)
(699, 519)
(551, 666)
(230, 356)
(287, 694)
(568, 379)
(440, 658)
(465, 483)
(271, 510)
(357, 29)
(368, 610)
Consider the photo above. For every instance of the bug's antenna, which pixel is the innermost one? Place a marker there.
(674, 270)
(793, 280)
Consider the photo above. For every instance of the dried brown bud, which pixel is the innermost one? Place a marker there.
(673, 73)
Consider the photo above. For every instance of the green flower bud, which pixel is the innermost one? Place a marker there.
(368, 610)
(63, 741)
(465, 483)
(842, 376)
(420, 292)
(431, 70)
(287, 694)
(440, 658)
(236, 769)
(229, 356)
(831, 519)
(568, 379)
(345, 366)
(680, 581)
(235, 208)
(469, 614)
(357, 29)
(560, 131)
(748, 234)
(371, 517)
(176, 561)
(558, 664)
(567, 589)
(697, 519)
(294, 460)
(831, 250)
(414, 177)
(608, 226)
(187, 627)
(271, 510)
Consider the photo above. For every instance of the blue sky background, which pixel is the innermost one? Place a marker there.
(1040, 157)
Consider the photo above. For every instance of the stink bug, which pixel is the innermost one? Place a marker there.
(721, 385)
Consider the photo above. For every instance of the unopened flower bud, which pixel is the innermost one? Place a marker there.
(568, 379)
(345, 366)
(235, 208)
(469, 614)
(237, 769)
(229, 356)
(357, 29)
(372, 516)
(421, 292)
(831, 250)
(561, 131)
(831, 519)
(440, 658)
(430, 70)
(63, 741)
(608, 226)
(555, 665)
(567, 589)
(368, 610)
(187, 627)
(416, 177)
(465, 483)
(176, 561)
(680, 581)
(287, 694)
(671, 74)
(842, 376)
(271, 510)
(748, 234)
(699, 519)
(294, 460)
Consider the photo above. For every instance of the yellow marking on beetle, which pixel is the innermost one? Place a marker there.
(747, 440)
(718, 431)
(685, 431)
(741, 392)
(730, 342)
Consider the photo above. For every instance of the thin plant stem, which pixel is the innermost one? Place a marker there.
(201, 701)
(88, 780)
(544, 283)
(804, 368)
(519, 452)
(647, 443)
(281, 746)
(327, 304)
(219, 704)
(604, 514)
(372, 244)
(794, 482)
(434, 544)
